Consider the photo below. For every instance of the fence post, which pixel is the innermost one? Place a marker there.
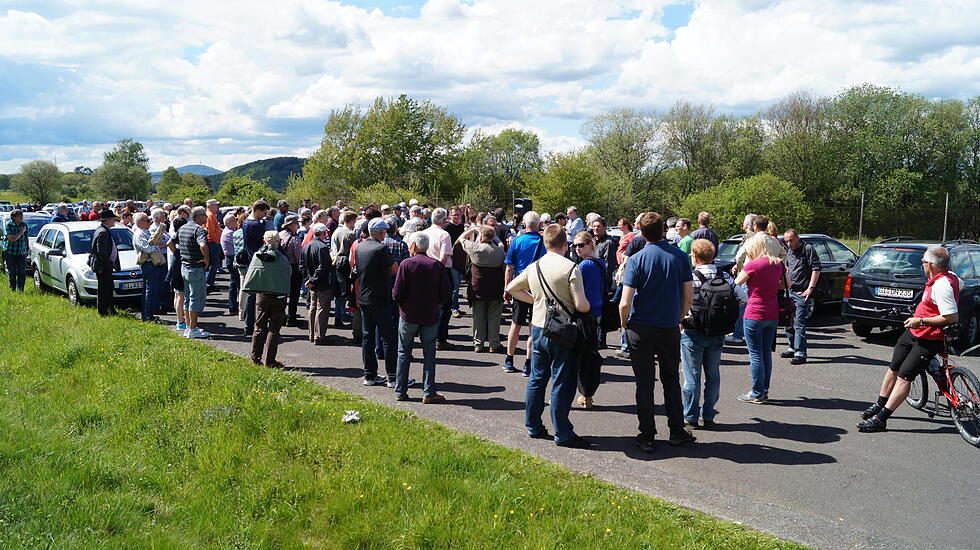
(945, 217)
(861, 225)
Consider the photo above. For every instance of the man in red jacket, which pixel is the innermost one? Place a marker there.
(922, 340)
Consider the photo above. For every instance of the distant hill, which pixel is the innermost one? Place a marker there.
(277, 170)
(198, 169)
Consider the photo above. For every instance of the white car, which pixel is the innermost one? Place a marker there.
(59, 257)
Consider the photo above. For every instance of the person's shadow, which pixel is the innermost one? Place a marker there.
(741, 453)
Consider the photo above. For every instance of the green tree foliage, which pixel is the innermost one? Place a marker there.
(799, 150)
(277, 172)
(766, 194)
(123, 174)
(169, 182)
(494, 167)
(76, 186)
(243, 191)
(568, 179)
(4, 182)
(400, 142)
(39, 179)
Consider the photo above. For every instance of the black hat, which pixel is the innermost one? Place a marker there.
(107, 214)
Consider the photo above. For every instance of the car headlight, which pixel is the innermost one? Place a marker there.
(89, 274)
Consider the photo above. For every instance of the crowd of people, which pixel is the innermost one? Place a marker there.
(391, 275)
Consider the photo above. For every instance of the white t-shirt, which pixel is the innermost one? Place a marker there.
(942, 295)
(440, 244)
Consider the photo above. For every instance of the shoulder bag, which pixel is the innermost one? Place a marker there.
(559, 323)
(787, 307)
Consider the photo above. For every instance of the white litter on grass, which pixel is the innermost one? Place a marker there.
(351, 417)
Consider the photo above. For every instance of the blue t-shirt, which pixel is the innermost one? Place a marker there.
(658, 273)
(524, 250)
(594, 283)
(277, 221)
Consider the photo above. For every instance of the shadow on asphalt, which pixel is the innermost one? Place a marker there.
(457, 387)
(823, 404)
(804, 433)
(741, 453)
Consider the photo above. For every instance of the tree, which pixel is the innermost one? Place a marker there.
(243, 191)
(628, 146)
(799, 149)
(123, 173)
(75, 186)
(83, 170)
(497, 165)
(4, 182)
(39, 179)
(568, 179)
(169, 182)
(766, 194)
(190, 186)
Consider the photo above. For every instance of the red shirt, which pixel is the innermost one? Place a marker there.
(928, 308)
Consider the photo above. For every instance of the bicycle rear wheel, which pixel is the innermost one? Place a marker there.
(966, 415)
(918, 392)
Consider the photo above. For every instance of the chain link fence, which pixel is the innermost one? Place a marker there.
(923, 222)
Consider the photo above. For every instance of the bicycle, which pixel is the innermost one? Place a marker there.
(957, 384)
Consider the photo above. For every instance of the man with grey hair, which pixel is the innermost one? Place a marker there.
(374, 267)
(320, 278)
(574, 224)
(192, 240)
(148, 246)
(524, 250)
(421, 290)
(228, 249)
(922, 340)
(440, 249)
(214, 242)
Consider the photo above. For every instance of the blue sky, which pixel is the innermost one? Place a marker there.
(223, 83)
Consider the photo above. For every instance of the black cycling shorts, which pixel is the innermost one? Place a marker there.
(522, 313)
(911, 355)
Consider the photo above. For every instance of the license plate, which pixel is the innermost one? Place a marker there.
(131, 286)
(888, 292)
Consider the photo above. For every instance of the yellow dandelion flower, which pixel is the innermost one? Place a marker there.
(608, 530)
(511, 511)
(495, 516)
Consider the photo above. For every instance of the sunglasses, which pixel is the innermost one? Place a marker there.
(579, 245)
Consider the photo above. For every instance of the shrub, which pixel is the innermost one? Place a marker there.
(729, 202)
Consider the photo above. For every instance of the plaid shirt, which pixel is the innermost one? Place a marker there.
(398, 248)
(17, 247)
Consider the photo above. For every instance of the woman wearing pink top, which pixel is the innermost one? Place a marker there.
(764, 275)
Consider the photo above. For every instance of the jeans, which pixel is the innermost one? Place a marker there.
(340, 309)
(486, 322)
(648, 347)
(455, 277)
(698, 352)
(406, 340)
(379, 342)
(759, 338)
(624, 342)
(796, 334)
(234, 284)
(249, 306)
(194, 287)
(378, 319)
(550, 360)
(295, 281)
(16, 271)
(214, 253)
(153, 277)
(445, 313)
(739, 332)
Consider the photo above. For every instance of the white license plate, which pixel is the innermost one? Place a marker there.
(131, 286)
(888, 292)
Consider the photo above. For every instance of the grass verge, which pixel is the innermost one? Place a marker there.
(117, 434)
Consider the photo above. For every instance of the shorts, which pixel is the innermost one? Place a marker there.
(194, 287)
(912, 355)
(522, 313)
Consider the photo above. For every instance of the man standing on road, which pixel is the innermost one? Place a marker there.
(228, 249)
(804, 271)
(374, 267)
(253, 231)
(340, 243)
(192, 239)
(153, 275)
(705, 232)
(552, 360)
(455, 228)
(214, 243)
(523, 251)
(657, 291)
(922, 340)
(421, 290)
(441, 250)
(103, 260)
(291, 246)
(319, 277)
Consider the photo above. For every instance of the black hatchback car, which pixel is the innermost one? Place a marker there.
(836, 261)
(887, 283)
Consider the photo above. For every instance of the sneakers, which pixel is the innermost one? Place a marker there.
(871, 425)
(708, 424)
(870, 411)
(646, 443)
(444, 346)
(749, 398)
(543, 434)
(585, 402)
(622, 354)
(509, 368)
(181, 326)
(526, 373)
(457, 314)
(682, 437)
(434, 398)
(798, 360)
(732, 341)
(787, 354)
(576, 442)
(391, 383)
(376, 381)
(196, 333)
(401, 397)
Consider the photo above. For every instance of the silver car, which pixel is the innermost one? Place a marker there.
(59, 258)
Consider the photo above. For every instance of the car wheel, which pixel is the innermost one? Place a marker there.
(968, 333)
(38, 284)
(73, 298)
(860, 329)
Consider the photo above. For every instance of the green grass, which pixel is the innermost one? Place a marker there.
(852, 243)
(13, 196)
(117, 434)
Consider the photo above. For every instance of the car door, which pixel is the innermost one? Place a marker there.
(58, 261)
(970, 289)
(42, 247)
(837, 265)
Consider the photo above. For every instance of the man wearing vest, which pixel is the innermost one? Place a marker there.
(922, 340)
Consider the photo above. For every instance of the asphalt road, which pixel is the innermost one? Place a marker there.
(796, 467)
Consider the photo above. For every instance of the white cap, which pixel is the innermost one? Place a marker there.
(385, 207)
(413, 202)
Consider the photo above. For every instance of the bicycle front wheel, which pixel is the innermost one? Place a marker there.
(918, 392)
(966, 413)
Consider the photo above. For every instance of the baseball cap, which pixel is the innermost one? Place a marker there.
(377, 224)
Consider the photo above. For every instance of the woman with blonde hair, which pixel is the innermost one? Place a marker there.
(764, 274)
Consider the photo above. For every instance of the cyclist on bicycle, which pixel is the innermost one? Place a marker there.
(922, 340)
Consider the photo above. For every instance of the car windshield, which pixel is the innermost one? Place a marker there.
(727, 250)
(34, 225)
(894, 262)
(81, 241)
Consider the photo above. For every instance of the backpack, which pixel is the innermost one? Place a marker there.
(715, 312)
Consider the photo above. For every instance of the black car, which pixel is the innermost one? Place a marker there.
(836, 261)
(887, 283)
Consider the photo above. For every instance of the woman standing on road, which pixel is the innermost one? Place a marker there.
(268, 277)
(764, 275)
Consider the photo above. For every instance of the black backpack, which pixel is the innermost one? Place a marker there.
(715, 312)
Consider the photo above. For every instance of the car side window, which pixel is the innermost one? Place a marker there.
(839, 252)
(59, 241)
(821, 249)
(44, 238)
(975, 257)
